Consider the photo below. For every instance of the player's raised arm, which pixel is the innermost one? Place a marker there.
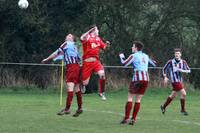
(85, 35)
(125, 61)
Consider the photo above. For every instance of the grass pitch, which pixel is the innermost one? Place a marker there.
(35, 112)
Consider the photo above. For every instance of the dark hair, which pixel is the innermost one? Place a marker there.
(177, 50)
(92, 26)
(139, 45)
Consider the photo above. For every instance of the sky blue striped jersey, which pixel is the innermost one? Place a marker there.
(140, 62)
(69, 52)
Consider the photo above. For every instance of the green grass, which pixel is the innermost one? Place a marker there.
(35, 112)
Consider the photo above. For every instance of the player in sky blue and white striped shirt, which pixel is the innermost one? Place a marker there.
(173, 71)
(139, 84)
(71, 58)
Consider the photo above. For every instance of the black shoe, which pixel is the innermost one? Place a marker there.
(63, 112)
(124, 121)
(162, 109)
(78, 112)
(132, 122)
(184, 113)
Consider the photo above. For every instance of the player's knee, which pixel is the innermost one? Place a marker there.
(102, 77)
(173, 95)
(77, 88)
(85, 83)
(70, 89)
(184, 93)
(138, 98)
(130, 99)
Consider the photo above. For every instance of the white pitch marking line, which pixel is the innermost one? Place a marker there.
(187, 122)
(103, 111)
(121, 114)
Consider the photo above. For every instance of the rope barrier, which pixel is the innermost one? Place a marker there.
(59, 65)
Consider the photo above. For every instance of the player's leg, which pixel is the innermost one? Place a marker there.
(70, 87)
(86, 81)
(99, 69)
(182, 101)
(136, 109)
(101, 74)
(128, 108)
(79, 100)
(168, 101)
(86, 72)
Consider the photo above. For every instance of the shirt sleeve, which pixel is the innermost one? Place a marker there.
(185, 65)
(60, 50)
(186, 68)
(102, 44)
(166, 67)
(85, 40)
(152, 62)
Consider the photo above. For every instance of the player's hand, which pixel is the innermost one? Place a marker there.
(108, 42)
(44, 61)
(165, 80)
(121, 55)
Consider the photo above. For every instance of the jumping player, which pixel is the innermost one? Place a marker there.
(139, 84)
(92, 44)
(72, 59)
(173, 70)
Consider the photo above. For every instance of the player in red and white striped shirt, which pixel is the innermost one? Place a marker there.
(140, 62)
(71, 58)
(173, 71)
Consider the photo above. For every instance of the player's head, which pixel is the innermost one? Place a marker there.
(69, 37)
(137, 46)
(177, 53)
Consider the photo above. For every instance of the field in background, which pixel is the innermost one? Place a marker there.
(35, 112)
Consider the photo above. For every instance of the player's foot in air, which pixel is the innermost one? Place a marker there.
(124, 121)
(184, 113)
(64, 112)
(132, 122)
(102, 95)
(162, 109)
(78, 112)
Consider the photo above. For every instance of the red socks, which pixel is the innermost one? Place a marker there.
(128, 108)
(167, 102)
(69, 100)
(79, 99)
(70, 97)
(136, 110)
(182, 105)
(101, 85)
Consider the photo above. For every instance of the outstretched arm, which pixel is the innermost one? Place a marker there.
(125, 61)
(55, 54)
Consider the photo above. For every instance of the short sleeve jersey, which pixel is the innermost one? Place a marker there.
(92, 46)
